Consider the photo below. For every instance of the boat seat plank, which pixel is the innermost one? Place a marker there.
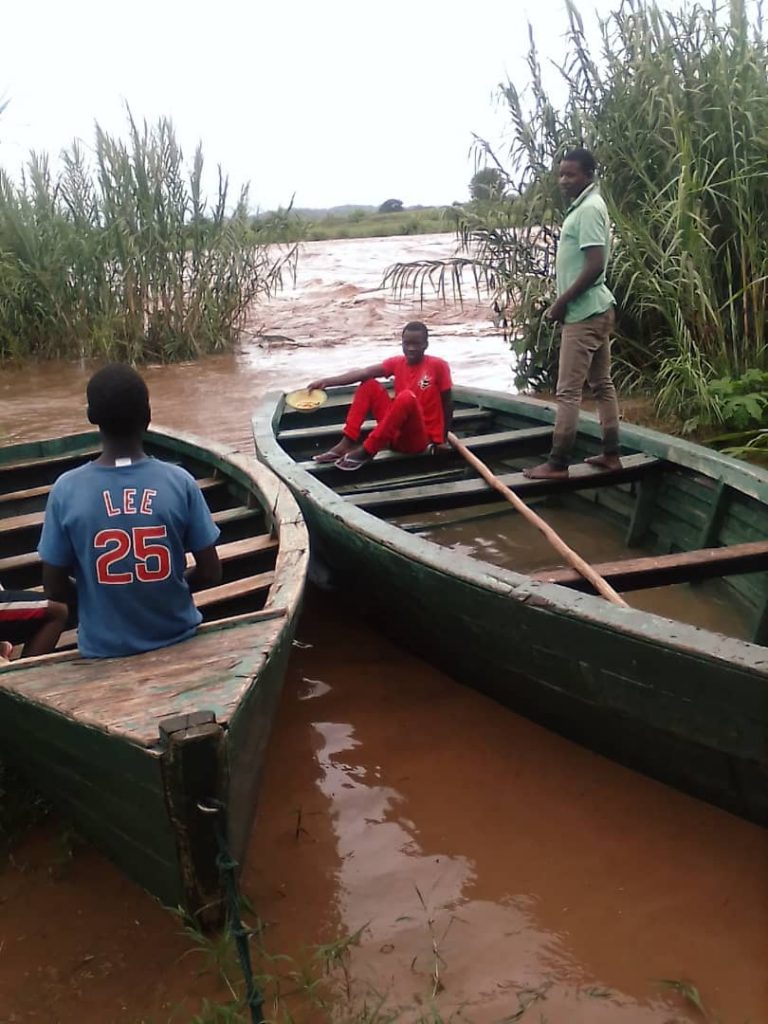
(204, 599)
(26, 494)
(205, 484)
(582, 477)
(23, 561)
(506, 439)
(24, 522)
(230, 591)
(53, 460)
(227, 553)
(32, 519)
(333, 429)
(663, 570)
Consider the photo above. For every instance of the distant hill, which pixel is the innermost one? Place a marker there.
(332, 211)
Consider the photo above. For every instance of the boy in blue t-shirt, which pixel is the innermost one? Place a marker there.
(122, 525)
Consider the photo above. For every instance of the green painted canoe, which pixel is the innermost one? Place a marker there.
(683, 704)
(150, 755)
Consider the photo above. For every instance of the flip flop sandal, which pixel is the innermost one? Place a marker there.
(351, 464)
(326, 457)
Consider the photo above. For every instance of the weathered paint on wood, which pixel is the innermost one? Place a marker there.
(88, 731)
(438, 495)
(681, 703)
(663, 570)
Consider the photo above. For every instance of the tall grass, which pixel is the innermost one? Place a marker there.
(675, 107)
(119, 254)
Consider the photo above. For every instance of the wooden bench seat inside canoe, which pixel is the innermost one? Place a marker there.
(582, 477)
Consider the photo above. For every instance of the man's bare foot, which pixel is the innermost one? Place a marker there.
(355, 458)
(345, 445)
(604, 461)
(546, 471)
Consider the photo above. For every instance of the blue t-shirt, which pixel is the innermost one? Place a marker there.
(124, 530)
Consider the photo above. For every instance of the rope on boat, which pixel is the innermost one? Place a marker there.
(227, 866)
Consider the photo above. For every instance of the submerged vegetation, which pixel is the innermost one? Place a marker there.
(121, 256)
(675, 107)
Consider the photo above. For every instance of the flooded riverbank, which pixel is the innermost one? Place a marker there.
(491, 867)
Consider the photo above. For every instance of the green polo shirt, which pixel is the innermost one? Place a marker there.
(586, 224)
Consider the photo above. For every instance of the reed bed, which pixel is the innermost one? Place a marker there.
(120, 255)
(675, 107)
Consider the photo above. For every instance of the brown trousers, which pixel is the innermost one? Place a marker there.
(585, 357)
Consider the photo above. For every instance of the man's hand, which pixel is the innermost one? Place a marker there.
(556, 311)
(318, 385)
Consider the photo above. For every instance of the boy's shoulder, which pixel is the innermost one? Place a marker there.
(151, 467)
(72, 477)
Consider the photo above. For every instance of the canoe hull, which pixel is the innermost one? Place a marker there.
(688, 711)
(157, 758)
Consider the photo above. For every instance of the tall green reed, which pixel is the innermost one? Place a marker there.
(121, 255)
(675, 107)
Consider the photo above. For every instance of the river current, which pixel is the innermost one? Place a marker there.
(491, 867)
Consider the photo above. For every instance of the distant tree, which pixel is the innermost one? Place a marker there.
(487, 183)
(391, 206)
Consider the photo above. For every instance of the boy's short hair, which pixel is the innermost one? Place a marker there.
(118, 400)
(417, 327)
(582, 157)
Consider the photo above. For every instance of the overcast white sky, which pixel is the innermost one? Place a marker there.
(338, 101)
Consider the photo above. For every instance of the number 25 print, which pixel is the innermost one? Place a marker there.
(152, 561)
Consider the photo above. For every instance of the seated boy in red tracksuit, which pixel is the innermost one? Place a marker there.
(29, 618)
(418, 417)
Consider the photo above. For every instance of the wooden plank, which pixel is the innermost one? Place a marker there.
(227, 552)
(25, 495)
(25, 522)
(582, 477)
(234, 515)
(53, 460)
(643, 510)
(333, 429)
(713, 522)
(508, 440)
(24, 561)
(194, 778)
(663, 570)
(230, 591)
(205, 484)
(31, 519)
(69, 638)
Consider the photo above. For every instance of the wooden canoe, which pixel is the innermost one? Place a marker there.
(139, 751)
(683, 704)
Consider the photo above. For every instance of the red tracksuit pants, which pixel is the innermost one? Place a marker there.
(399, 420)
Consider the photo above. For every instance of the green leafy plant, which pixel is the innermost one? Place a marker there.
(122, 256)
(674, 105)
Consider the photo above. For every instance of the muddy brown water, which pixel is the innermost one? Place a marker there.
(536, 880)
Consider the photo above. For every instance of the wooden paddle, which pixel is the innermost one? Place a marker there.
(601, 586)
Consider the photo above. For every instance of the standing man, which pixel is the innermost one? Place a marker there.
(585, 307)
